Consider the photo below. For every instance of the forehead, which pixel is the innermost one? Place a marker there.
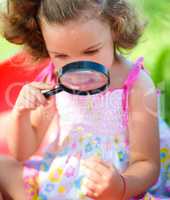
(74, 33)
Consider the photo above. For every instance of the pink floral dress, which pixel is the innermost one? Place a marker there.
(88, 126)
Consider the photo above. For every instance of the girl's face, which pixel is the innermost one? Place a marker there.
(76, 40)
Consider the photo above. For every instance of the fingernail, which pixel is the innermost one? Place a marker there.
(95, 194)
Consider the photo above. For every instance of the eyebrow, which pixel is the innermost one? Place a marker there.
(89, 48)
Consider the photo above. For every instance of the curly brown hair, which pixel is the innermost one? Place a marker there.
(22, 26)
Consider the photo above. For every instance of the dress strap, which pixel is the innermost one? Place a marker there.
(134, 73)
(48, 74)
(129, 82)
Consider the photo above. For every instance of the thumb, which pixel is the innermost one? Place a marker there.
(42, 85)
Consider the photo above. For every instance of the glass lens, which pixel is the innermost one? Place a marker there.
(83, 80)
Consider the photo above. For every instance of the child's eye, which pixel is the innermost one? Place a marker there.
(91, 52)
(61, 56)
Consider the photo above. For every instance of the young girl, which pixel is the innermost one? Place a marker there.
(106, 145)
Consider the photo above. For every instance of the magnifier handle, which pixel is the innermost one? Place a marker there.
(52, 92)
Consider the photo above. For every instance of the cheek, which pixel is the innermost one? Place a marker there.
(58, 62)
(107, 58)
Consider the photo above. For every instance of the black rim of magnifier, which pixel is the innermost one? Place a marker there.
(79, 66)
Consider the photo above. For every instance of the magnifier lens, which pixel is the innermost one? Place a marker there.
(83, 80)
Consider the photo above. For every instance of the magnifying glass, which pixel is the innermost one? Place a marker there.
(81, 78)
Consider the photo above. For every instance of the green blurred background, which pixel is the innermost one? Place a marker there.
(154, 46)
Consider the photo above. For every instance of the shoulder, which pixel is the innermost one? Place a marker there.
(144, 83)
(143, 95)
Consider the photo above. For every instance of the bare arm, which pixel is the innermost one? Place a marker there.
(26, 128)
(143, 137)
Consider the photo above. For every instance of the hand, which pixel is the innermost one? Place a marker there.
(103, 180)
(30, 97)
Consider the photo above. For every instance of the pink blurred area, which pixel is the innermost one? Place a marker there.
(14, 72)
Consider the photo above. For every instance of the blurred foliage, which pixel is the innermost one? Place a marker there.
(154, 46)
(7, 49)
(161, 76)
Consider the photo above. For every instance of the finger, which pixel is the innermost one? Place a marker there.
(92, 185)
(41, 85)
(29, 98)
(100, 181)
(39, 97)
(34, 94)
(88, 193)
(30, 102)
(95, 165)
(25, 103)
(108, 165)
(99, 160)
(25, 106)
(92, 174)
(89, 184)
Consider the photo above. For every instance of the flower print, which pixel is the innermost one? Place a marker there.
(45, 163)
(31, 186)
(149, 197)
(98, 153)
(78, 188)
(167, 168)
(56, 175)
(164, 154)
(70, 171)
(68, 139)
(74, 145)
(44, 166)
(79, 129)
(81, 139)
(49, 187)
(42, 197)
(61, 189)
(120, 139)
(49, 156)
(121, 156)
(167, 184)
(78, 182)
(88, 148)
(93, 142)
(116, 139)
(64, 151)
(89, 135)
(97, 142)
